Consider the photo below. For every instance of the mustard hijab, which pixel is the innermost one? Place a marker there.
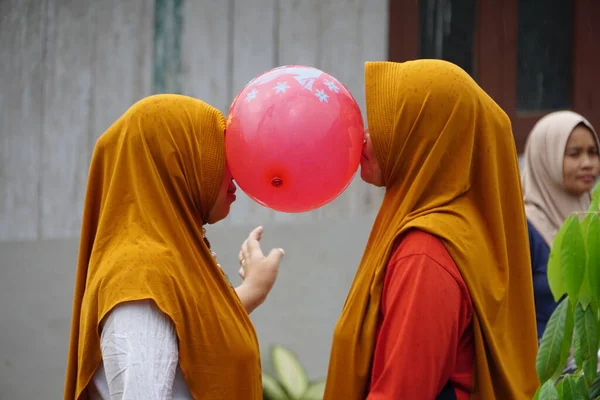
(155, 174)
(450, 168)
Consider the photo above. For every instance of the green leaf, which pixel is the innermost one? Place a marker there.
(581, 348)
(272, 390)
(584, 225)
(557, 285)
(580, 389)
(595, 388)
(586, 345)
(590, 363)
(572, 257)
(548, 391)
(315, 391)
(578, 352)
(572, 388)
(566, 388)
(536, 396)
(591, 332)
(589, 370)
(567, 341)
(595, 198)
(549, 353)
(585, 292)
(593, 260)
(290, 372)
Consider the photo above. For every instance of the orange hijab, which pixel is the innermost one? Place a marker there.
(154, 176)
(450, 169)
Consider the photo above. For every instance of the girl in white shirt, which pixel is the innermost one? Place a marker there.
(154, 316)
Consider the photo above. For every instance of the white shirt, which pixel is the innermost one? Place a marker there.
(140, 356)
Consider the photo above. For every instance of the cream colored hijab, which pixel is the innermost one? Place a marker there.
(547, 203)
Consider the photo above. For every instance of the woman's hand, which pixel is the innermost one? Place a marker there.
(258, 271)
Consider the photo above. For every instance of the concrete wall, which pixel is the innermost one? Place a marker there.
(36, 289)
(70, 68)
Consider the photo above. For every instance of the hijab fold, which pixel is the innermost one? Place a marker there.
(547, 202)
(154, 176)
(450, 167)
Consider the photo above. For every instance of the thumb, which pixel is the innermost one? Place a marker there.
(276, 254)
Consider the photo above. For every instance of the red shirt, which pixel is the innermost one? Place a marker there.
(424, 347)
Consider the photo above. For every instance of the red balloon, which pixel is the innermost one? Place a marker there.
(294, 138)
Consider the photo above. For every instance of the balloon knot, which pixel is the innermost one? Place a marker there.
(276, 182)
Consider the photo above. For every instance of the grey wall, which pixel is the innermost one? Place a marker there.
(36, 288)
(69, 68)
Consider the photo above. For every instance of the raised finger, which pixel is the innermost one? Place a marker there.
(252, 248)
(256, 233)
(245, 250)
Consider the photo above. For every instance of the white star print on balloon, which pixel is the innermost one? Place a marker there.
(281, 87)
(307, 80)
(251, 96)
(331, 86)
(322, 96)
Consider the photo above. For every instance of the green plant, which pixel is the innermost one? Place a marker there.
(291, 381)
(573, 329)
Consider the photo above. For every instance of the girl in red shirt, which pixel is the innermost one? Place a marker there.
(441, 306)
